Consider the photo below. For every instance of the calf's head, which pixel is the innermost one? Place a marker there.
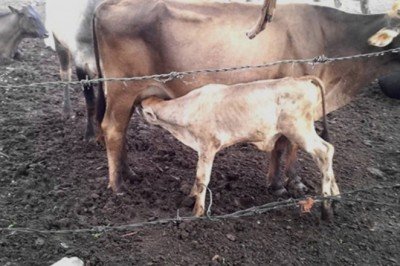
(148, 110)
(30, 23)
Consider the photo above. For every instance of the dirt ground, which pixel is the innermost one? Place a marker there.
(51, 179)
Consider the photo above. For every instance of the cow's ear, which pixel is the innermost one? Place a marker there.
(383, 37)
(14, 10)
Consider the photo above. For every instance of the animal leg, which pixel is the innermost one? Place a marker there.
(338, 3)
(203, 173)
(275, 181)
(114, 126)
(365, 6)
(64, 57)
(90, 105)
(294, 183)
(322, 153)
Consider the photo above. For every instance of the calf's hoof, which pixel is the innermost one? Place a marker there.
(198, 210)
(326, 211)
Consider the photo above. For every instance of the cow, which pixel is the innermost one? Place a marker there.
(217, 116)
(17, 25)
(135, 38)
(70, 26)
(390, 85)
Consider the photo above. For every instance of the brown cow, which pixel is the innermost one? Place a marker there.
(217, 116)
(142, 37)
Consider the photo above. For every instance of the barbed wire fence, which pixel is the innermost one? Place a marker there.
(253, 211)
(321, 59)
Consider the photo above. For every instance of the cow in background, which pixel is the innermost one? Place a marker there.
(217, 116)
(17, 25)
(70, 26)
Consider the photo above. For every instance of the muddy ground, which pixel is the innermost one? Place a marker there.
(51, 179)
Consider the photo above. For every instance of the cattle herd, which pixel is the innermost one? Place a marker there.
(273, 108)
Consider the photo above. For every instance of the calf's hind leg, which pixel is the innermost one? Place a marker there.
(322, 153)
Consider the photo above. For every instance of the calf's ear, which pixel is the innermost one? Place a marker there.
(149, 114)
(383, 37)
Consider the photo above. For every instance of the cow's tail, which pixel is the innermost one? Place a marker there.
(317, 82)
(101, 100)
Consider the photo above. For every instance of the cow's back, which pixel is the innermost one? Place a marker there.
(150, 37)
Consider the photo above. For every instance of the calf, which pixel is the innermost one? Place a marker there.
(216, 116)
(17, 25)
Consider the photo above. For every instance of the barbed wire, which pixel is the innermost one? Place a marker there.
(321, 59)
(256, 210)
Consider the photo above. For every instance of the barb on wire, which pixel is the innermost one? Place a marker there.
(322, 59)
(238, 214)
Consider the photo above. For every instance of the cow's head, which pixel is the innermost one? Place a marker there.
(386, 36)
(29, 22)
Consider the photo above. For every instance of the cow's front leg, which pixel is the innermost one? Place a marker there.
(203, 173)
(338, 3)
(114, 128)
(365, 6)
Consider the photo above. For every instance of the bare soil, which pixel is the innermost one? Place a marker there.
(51, 179)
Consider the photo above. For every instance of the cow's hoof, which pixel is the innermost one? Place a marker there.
(130, 175)
(326, 211)
(67, 114)
(90, 136)
(297, 188)
(117, 188)
(278, 191)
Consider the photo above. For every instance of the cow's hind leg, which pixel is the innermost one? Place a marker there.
(286, 151)
(90, 99)
(322, 153)
(203, 173)
(275, 180)
(64, 57)
(294, 184)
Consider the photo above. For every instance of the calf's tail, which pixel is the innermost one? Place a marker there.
(317, 82)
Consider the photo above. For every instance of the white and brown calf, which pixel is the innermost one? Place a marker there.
(216, 116)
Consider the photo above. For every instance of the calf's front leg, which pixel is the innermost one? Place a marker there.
(203, 173)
